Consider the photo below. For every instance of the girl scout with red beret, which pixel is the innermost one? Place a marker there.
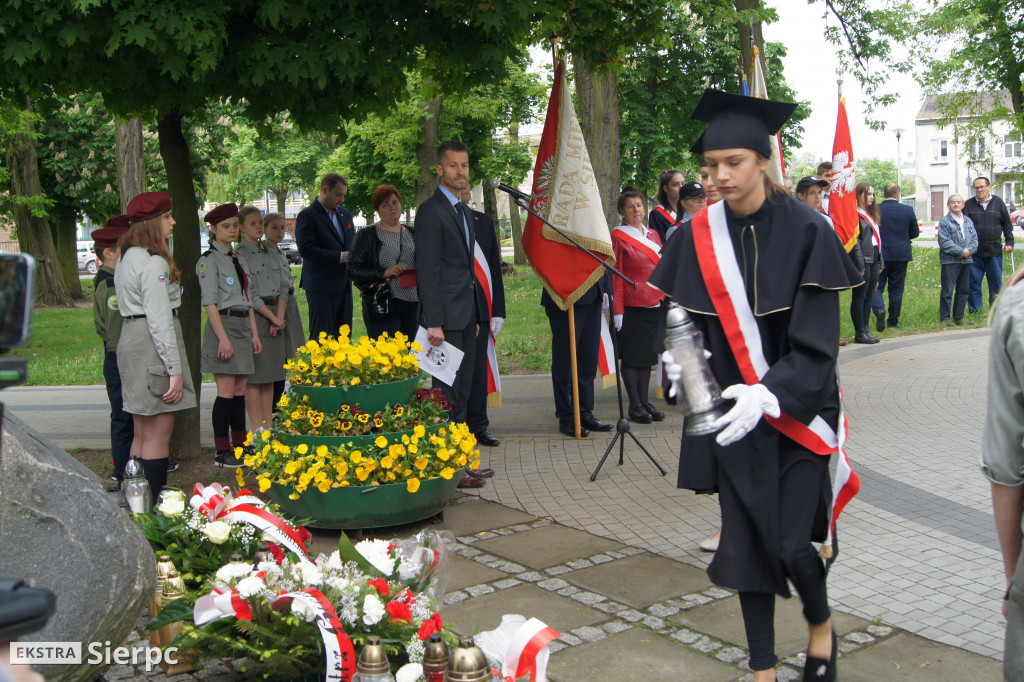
(155, 378)
(230, 339)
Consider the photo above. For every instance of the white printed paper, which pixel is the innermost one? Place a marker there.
(441, 362)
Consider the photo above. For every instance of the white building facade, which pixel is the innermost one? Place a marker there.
(946, 166)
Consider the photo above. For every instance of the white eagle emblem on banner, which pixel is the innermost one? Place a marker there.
(843, 180)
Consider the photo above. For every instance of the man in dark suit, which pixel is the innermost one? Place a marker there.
(897, 228)
(587, 314)
(450, 308)
(324, 233)
(487, 255)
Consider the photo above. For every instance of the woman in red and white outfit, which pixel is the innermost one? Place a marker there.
(638, 314)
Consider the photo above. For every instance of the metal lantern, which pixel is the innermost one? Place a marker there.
(700, 397)
(435, 658)
(467, 663)
(373, 665)
(135, 487)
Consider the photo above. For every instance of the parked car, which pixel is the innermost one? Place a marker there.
(291, 250)
(87, 258)
(1017, 217)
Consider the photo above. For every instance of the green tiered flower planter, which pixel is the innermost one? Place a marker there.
(369, 506)
(357, 441)
(370, 398)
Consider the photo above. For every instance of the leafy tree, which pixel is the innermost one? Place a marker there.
(881, 172)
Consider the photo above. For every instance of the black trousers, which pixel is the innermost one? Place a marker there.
(122, 425)
(802, 565)
(955, 278)
(476, 410)
(404, 318)
(327, 312)
(458, 394)
(860, 302)
(588, 345)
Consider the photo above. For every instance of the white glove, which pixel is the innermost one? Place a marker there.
(618, 322)
(606, 302)
(751, 403)
(674, 371)
(496, 324)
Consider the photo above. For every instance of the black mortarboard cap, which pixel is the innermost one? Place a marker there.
(739, 121)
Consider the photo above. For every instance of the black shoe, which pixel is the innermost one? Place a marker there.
(880, 323)
(947, 323)
(639, 415)
(226, 460)
(862, 337)
(484, 438)
(172, 466)
(820, 670)
(873, 338)
(656, 415)
(893, 324)
(569, 429)
(594, 425)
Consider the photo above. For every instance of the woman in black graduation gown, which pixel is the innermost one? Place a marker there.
(669, 210)
(774, 493)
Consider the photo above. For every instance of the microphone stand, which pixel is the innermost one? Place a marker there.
(622, 426)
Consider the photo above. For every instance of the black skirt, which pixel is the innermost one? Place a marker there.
(642, 335)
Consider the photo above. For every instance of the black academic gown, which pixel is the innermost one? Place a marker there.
(793, 267)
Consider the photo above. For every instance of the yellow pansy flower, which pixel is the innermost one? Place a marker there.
(412, 485)
(447, 473)
(381, 442)
(302, 449)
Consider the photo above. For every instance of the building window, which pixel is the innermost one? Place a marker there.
(976, 148)
(1011, 192)
(1012, 145)
(940, 151)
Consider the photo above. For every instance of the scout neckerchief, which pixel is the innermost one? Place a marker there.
(874, 226)
(483, 276)
(637, 239)
(721, 273)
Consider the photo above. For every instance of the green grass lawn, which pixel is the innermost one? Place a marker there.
(65, 349)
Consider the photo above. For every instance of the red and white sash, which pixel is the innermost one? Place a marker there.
(606, 366)
(634, 237)
(483, 276)
(667, 215)
(721, 274)
(874, 226)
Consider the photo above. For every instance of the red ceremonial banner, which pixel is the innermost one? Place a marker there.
(842, 198)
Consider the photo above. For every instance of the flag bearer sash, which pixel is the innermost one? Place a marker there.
(483, 278)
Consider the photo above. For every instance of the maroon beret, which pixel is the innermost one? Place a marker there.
(148, 205)
(222, 212)
(107, 236)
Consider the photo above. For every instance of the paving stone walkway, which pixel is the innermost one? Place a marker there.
(614, 565)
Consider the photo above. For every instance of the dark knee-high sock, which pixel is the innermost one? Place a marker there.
(156, 474)
(629, 382)
(238, 432)
(222, 423)
(278, 392)
(643, 384)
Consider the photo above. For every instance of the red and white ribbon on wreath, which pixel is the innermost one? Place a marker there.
(221, 604)
(528, 652)
(338, 648)
(720, 270)
(210, 500)
(216, 501)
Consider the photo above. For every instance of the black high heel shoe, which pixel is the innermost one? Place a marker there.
(820, 670)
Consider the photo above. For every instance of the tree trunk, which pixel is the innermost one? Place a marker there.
(185, 444)
(491, 205)
(598, 96)
(519, 253)
(426, 151)
(34, 237)
(131, 164)
(65, 243)
(744, 29)
(281, 194)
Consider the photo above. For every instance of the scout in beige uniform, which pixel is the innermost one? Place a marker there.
(155, 379)
(229, 339)
(270, 293)
(274, 232)
(107, 320)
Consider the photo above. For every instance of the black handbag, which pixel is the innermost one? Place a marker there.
(377, 300)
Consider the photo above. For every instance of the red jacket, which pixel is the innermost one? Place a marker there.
(638, 266)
